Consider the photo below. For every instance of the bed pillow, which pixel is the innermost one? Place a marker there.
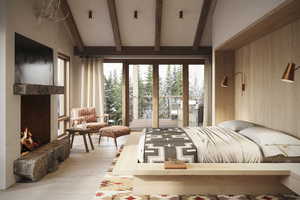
(273, 142)
(236, 125)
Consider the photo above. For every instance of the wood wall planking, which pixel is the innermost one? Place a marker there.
(224, 97)
(267, 100)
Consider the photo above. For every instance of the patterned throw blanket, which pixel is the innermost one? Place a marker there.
(204, 145)
(162, 144)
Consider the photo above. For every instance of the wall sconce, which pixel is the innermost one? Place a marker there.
(225, 83)
(289, 73)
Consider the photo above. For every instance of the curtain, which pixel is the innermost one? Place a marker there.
(92, 84)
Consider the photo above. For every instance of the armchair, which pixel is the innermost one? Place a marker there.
(79, 116)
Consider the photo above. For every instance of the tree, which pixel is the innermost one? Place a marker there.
(113, 96)
(108, 87)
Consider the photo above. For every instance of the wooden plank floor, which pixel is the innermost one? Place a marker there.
(76, 179)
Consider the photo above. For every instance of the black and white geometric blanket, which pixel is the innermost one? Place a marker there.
(162, 144)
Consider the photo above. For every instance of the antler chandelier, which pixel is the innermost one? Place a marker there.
(50, 10)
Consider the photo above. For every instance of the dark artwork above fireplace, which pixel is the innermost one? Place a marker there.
(36, 116)
(33, 62)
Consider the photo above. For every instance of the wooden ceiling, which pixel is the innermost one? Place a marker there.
(157, 30)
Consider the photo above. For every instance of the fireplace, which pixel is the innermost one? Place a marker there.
(36, 118)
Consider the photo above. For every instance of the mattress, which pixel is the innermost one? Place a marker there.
(281, 159)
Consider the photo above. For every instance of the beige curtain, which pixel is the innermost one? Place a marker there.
(92, 84)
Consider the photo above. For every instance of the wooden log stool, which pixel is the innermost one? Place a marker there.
(114, 132)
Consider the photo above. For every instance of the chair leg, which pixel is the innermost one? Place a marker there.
(91, 142)
(115, 139)
(99, 139)
(85, 143)
(73, 135)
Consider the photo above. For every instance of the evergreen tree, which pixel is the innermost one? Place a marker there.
(108, 87)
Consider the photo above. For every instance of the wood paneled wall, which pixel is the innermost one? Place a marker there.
(223, 97)
(267, 100)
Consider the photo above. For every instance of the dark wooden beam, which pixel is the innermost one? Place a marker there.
(70, 22)
(201, 23)
(158, 18)
(156, 61)
(114, 23)
(142, 50)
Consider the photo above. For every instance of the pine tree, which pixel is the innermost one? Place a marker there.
(108, 87)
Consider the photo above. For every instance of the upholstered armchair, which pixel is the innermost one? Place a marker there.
(81, 117)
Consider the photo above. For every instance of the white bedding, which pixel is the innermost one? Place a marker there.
(220, 145)
(216, 145)
(272, 142)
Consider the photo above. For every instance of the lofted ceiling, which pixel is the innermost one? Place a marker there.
(140, 32)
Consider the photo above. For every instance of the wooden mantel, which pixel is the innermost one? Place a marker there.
(30, 89)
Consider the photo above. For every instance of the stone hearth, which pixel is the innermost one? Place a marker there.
(40, 162)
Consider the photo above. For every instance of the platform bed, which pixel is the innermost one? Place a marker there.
(207, 178)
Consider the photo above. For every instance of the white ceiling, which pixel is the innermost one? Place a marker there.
(176, 31)
(141, 31)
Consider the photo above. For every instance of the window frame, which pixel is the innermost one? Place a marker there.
(65, 118)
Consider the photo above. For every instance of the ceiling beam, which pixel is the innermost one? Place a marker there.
(114, 22)
(164, 61)
(142, 50)
(158, 19)
(70, 22)
(201, 23)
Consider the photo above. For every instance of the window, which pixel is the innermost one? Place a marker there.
(170, 95)
(63, 63)
(113, 91)
(140, 96)
(196, 95)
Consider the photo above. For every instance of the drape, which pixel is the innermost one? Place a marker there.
(92, 84)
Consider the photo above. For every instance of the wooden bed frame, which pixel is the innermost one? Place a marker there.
(207, 178)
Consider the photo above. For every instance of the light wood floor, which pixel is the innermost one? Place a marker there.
(76, 179)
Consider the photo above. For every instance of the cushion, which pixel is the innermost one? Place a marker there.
(84, 114)
(93, 125)
(116, 130)
(273, 142)
(236, 125)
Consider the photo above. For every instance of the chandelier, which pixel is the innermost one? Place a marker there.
(49, 10)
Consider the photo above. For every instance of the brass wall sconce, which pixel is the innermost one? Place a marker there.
(289, 73)
(225, 82)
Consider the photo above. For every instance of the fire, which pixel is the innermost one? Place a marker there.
(27, 142)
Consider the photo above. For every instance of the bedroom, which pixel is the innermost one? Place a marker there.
(242, 47)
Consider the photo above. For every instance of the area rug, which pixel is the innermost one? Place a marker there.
(121, 187)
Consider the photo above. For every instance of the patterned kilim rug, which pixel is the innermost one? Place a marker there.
(120, 188)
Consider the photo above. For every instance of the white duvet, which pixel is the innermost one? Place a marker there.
(272, 142)
(220, 145)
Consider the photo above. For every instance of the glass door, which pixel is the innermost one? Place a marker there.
(113, 92)
(196, 95)
(140, 96)
(170, 95)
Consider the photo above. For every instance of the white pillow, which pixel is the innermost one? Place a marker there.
(266, 136)
(236, 125)
(273, 142)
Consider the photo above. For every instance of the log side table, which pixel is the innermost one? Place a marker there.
(81, 131)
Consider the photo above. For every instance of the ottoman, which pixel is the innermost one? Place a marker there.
(114, 132)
